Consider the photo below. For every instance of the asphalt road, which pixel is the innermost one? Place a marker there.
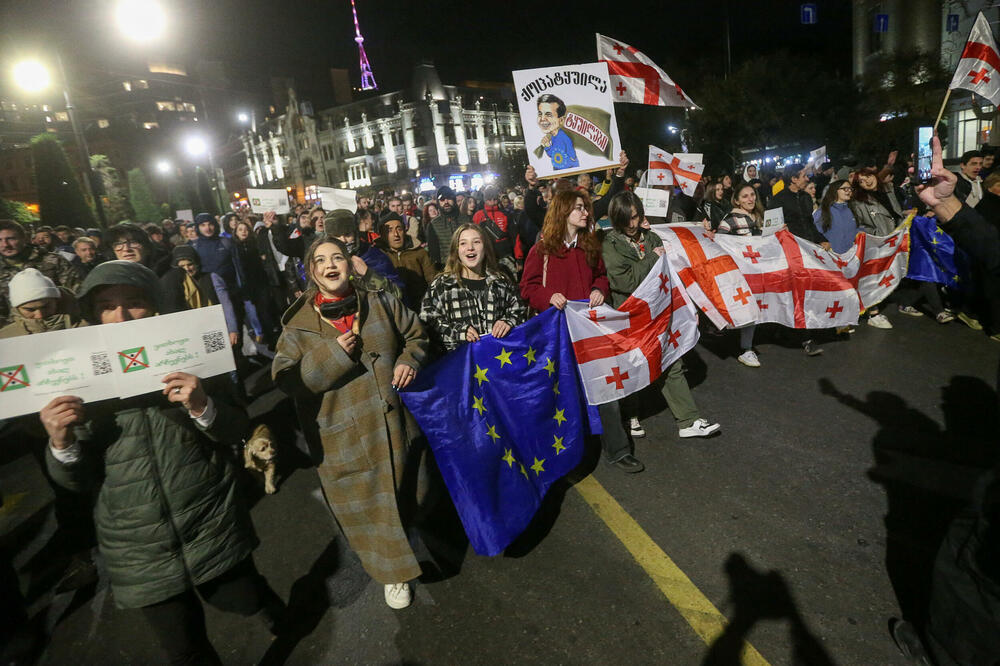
(809, 521)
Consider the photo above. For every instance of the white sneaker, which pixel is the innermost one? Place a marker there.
(398, 595)
(700, 428)
(635, 427)
(749, 359)
(879, 321)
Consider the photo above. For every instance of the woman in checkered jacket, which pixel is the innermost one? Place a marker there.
(471, 296)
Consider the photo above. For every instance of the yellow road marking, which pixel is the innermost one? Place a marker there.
(694, 607)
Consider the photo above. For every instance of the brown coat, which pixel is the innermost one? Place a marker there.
(415, 270)
(348, 404)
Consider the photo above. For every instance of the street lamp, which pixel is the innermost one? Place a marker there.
(243, 117)
(163, 166)
(141, 20)
(33, 76)
(195, 146)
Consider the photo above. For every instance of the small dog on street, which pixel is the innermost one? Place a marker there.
(259, 454)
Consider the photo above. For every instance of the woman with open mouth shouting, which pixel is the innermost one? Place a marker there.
(472, 296)
(342, 355)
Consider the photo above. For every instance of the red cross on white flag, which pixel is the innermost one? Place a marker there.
(668, 169)
(622, 350)
(635, 78)
(979, 68)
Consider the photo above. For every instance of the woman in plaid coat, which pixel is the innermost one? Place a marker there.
(471, 297)
(342, 355)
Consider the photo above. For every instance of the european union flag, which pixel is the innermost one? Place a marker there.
(933, 256)
(506, 418)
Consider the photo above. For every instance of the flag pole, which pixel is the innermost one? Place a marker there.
(941, 112)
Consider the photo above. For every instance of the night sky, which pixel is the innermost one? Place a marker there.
(467, 41)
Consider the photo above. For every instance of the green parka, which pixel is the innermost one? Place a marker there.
(168, 515)
(625, 270)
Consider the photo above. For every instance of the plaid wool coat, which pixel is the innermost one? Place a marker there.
(347, 404)
(449, 308)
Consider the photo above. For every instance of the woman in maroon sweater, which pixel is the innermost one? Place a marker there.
(565, 265)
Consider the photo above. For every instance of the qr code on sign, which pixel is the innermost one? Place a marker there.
(214, 341)
(100, 364)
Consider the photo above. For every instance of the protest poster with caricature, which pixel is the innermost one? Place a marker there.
(568, 119)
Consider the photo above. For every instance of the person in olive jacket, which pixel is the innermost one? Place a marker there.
(168, 515)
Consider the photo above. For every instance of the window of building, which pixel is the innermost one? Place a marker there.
(142, 84)
(331, 176)
(971, 132)
(150, 126)
(62, 116)
(103, 123)
(127, 85)
(165, 106)
(189, 107)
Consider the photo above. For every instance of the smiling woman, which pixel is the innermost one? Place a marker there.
(342, 355)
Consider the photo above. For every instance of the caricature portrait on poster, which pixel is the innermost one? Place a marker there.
(568, 118)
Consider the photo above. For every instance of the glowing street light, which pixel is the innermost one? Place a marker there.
(163, 166)
(141, 20)
(196, 146)
(244, 117)
(31, 76)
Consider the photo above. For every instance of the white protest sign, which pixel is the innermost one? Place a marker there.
(264, 201)
(187, 215)
(655, 202)
(335, 199)
(817, 157)
(774, 219)
(568, 118)
(143, 351)
(34, 369)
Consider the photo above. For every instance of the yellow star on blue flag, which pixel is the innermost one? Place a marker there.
(537, 423)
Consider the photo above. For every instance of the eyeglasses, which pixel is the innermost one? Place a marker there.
(846, 188)
(120, 245)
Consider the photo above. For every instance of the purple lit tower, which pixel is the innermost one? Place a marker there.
(367, 78)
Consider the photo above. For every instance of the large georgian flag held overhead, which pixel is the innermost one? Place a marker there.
(635, 78)
(624, 350)
(979, 68)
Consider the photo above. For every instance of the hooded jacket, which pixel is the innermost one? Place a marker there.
(216, 253)
(168, 514)
(212, 288)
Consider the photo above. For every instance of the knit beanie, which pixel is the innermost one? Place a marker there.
(339, 222)
(445, 192)
(31, 285)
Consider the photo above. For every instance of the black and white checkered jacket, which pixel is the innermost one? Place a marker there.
(449, 308)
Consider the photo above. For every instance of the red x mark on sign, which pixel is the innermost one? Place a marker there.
(133, 359)
(12, 377)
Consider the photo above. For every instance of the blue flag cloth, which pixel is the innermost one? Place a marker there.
(933, 256)
(505, 418)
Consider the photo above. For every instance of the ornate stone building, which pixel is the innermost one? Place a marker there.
(414, 139)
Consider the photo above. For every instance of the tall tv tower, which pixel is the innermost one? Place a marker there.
(367, 78)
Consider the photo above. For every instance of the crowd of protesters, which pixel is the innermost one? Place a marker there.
(347, 307)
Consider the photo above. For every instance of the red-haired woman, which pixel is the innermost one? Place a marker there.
(566, 265)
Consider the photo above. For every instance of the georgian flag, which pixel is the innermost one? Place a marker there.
(637, 79)
(624, 350)
(979, 68)
(876, 264)
(796, 283)
(710, 276)
(667, 169)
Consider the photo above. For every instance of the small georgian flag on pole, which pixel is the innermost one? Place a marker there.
(668, 169)
(979, 68)
(636, 79)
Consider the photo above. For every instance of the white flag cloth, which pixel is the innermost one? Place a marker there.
(979, 68)
(876, 264)
(635, 78)
(624, 350)
(668, 169)
(710, 276)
